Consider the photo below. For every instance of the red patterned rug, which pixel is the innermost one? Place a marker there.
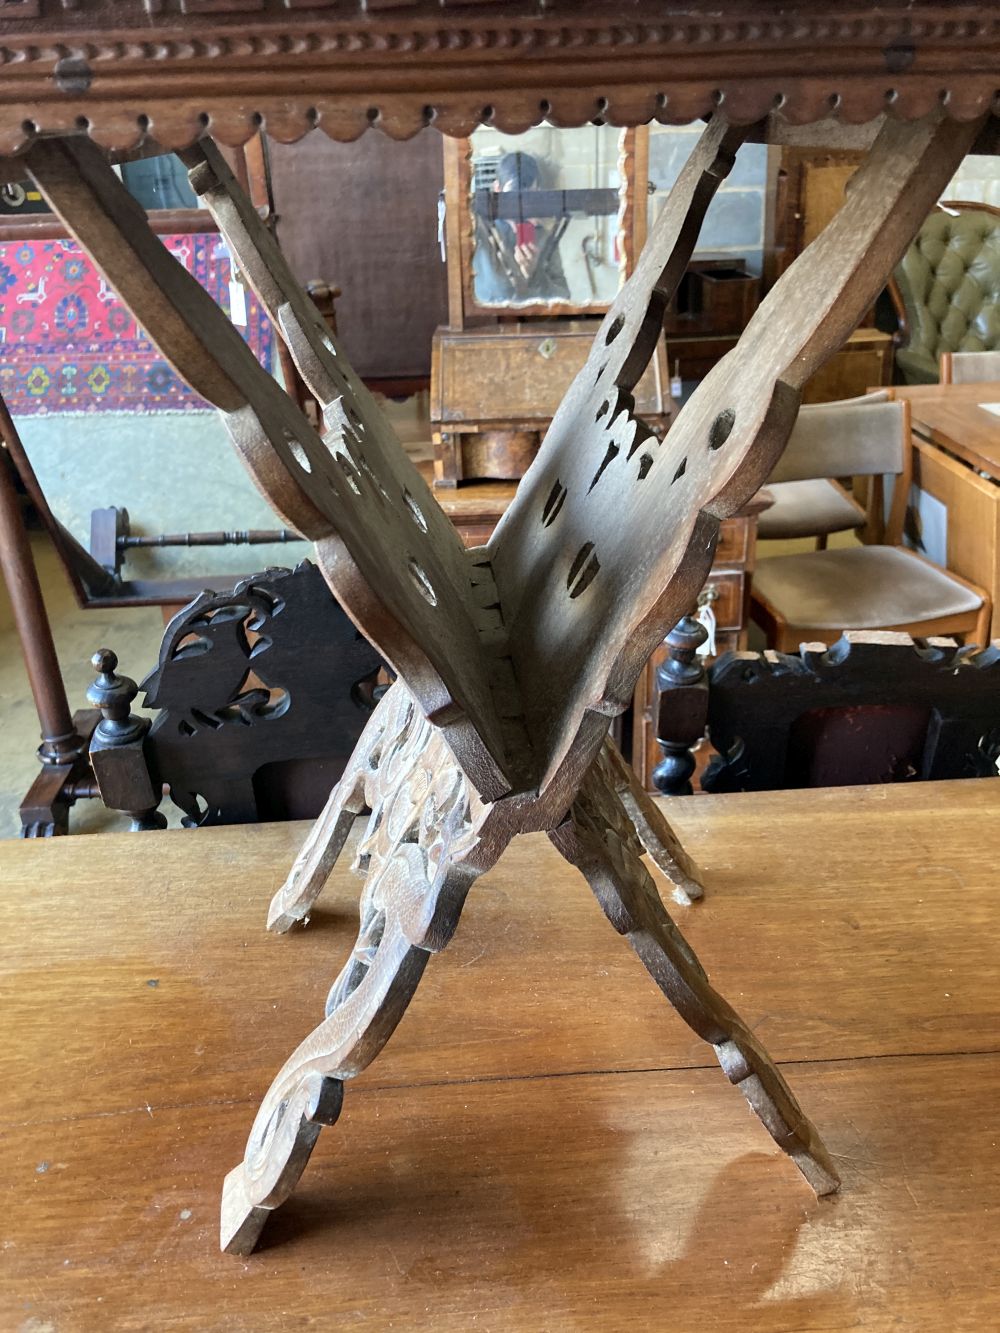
(69, 345)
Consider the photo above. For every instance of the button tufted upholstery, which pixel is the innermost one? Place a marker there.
(949, 280)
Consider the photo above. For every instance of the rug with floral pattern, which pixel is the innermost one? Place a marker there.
(67, 344)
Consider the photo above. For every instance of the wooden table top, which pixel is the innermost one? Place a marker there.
(951, 416)
(543, 1144)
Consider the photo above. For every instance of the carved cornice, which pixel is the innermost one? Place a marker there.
(176, 67)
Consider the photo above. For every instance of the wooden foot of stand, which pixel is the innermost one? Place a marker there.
(427, 839)
(651, 826)
(599, 838)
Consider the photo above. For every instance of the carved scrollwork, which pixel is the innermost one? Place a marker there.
(598, 838)
(215, 729)
(418, 857)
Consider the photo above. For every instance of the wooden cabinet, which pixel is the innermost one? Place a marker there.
(863, 362)
(539, 231)
(494, 391)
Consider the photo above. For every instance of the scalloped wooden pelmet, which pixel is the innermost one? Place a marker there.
(122, 69)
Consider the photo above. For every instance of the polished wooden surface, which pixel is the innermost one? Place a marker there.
(543, 1144)
(956, 459)
(951, 416)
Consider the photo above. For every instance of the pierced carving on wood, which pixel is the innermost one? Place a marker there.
(512, 659)
(262, 692)
(420, 854)
(873, 708)
(427, 839)
(598, 838)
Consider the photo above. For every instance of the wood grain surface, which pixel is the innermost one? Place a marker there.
(950, 415)
(542, 1145)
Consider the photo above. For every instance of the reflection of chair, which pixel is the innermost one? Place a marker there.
(817, 595)
(947, 287)
(873, 708)
(970, 367)
(812, 506)
(512, 658)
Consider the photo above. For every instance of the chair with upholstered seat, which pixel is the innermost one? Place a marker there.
(970, 367)
(814, 506)
(947, 287)
(815, 596)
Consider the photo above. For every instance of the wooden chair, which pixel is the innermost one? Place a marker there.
(873, 708)
(816, 595)
(814, 506)
(970, 367)
(513, 658)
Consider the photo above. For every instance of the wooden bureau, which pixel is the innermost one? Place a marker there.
(495, 389)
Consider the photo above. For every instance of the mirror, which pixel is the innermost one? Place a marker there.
(546, 210)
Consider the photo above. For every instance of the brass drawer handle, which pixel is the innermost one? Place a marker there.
(708, 595)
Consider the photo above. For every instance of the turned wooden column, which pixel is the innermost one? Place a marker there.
(65, 774)
(682, 706)
(61, 743)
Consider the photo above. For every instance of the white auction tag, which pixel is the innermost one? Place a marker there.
(238, 304)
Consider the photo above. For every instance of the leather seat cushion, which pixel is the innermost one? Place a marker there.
(808, 509)
(861, 587)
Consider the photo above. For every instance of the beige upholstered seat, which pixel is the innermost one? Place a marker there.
(808, 509)
(807, 502)
(860, 587)
(818, 594)
(970, 367)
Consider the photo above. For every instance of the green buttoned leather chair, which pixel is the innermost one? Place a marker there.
(947, 289)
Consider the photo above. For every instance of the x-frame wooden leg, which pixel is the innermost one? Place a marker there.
(428, 838)
(598, 837)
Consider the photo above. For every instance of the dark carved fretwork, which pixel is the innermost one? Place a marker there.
(263, 692)
(873, 708)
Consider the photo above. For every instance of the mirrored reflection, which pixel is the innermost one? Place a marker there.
(546, 209)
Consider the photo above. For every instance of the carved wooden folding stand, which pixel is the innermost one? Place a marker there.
(514, 657)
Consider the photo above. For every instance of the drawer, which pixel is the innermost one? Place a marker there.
(734, 541)
(724, 593)
(522, 376)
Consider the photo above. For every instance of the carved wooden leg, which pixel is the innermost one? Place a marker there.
(597, 837)
(651, 826)
(421, 853)
(328, 834)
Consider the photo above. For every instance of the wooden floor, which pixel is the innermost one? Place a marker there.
(542, 1145)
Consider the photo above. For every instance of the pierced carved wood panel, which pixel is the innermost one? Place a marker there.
(612, 532)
